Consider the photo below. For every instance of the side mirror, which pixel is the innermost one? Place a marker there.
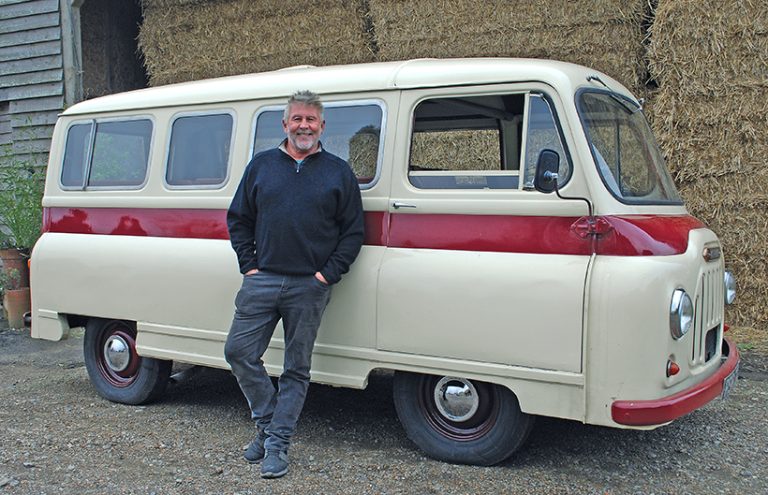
(546, 171)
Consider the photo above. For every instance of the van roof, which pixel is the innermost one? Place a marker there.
(418, 73)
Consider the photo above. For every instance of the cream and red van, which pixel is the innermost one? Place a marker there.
(526, 252)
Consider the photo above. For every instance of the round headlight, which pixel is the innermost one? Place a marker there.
(680, 314)
(730, 287)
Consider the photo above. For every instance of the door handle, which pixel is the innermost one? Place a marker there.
(397, 205)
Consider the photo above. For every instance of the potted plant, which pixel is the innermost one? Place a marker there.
(16, 299)
(21, 191)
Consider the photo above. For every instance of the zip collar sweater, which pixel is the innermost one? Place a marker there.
(297, 219)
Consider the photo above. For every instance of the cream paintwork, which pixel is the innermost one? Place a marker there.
(626, 340)
(495, 307)
(505, 308)
(559, 359)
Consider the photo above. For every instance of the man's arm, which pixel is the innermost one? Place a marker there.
(351, 232)
(241, 223)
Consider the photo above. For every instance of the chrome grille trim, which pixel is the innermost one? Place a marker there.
(709, 308)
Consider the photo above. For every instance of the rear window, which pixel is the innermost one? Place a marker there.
(117, 157)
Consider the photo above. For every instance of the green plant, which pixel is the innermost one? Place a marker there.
(21, 193)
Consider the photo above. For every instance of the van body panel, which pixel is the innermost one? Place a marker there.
(615, 354)
(447, 303)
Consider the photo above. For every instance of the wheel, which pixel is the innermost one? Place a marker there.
(115, 369)
(458, 420)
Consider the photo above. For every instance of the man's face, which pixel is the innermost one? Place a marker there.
(304, 126)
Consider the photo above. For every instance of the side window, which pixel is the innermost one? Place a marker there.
(467, 142)
(120, 153)
(542, 133)
(352, 132)
(199, 150)
(118, 157)
(76, 155)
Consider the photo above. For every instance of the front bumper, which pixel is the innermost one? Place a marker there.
(664, 410)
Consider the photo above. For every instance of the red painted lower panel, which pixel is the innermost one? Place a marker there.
(622, 235)
(660, 411)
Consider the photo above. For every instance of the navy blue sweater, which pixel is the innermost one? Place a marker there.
(297, 220)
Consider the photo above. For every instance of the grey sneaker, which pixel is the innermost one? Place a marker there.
(255, 451)
(275, 464)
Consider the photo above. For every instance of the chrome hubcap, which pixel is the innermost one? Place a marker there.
(456, 398)
(117, 353)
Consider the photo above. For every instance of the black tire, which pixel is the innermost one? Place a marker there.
(485, 434)
(137, 380)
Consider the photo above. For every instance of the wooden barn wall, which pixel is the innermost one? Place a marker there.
(31, 76)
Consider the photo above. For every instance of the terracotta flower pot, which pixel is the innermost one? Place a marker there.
(13, 260)
(16, 302)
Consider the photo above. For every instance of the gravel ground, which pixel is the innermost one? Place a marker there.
(58, 436)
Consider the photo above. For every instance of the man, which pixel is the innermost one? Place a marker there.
(296, 224)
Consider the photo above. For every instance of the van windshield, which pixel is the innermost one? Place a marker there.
(625, 151)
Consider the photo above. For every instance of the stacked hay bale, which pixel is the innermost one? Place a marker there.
(185, 40)
(456, 150)
(607, 35)
(710, 59)
(363, 152)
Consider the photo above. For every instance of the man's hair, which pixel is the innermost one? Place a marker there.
(305, 98)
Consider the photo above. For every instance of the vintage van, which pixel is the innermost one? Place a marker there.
(526, 252)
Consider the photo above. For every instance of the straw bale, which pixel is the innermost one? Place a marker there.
(164, 4)
(729, 109)
(606, 36)
(456, 150)
(702, 151)
(708, 46)
(751, 287)
(364, 151)
(735, 206)
(199, 40)
(740, 222)
(711, 197)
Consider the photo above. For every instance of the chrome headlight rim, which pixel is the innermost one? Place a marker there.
(729, 281)
(680, 314)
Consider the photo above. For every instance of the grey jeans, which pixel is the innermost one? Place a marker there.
(262, 301)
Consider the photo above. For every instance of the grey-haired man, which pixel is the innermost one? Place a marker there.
(296, 224)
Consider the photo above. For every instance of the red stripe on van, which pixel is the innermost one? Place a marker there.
(624, 235)
(498, 233)
(152, 222)
(164, 222)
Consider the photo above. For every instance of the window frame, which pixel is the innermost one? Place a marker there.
(167, 152)
(334, 104)
(94, 122)
(634, 202)
(526, 93)
(559, 127)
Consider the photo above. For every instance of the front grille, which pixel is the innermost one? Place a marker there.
(710, 344)
(709, 313)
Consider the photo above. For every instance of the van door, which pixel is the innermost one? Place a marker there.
(478, 265)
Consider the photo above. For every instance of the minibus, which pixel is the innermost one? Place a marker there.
(526, 251)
